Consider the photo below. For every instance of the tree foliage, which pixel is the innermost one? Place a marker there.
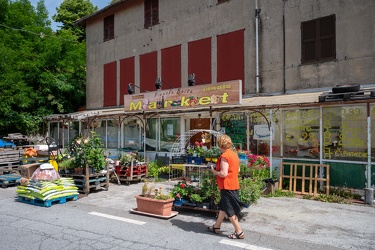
(72, 10)
(42, 72)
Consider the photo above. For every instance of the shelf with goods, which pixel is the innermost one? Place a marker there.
(196, 186)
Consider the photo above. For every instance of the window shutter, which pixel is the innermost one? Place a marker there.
(327, 38)
(155, 12)
(109, 28)
(308, 41)
(318, 40)
(148, 20)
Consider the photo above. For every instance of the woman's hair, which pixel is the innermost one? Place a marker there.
(224, 142)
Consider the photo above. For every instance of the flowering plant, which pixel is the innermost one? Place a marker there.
(196, 149)
(243, 152)
(258, 161)
(154, 193)
(127, 158)
(182, 190)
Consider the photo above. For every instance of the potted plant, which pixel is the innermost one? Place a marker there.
(127, 158)
(66, 165)
(215, 154)
(258, 161)
(88, 152)
(208, 155)
(181, 192)
(154, 201)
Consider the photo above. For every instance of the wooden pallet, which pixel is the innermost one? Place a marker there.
(9, 180)
(9, 161)
(94, 182)
(303, 178)
(48, 203)
(88, 182)
(9, 168)
(131, 173)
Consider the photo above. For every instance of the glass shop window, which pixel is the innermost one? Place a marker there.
(234, 125)
(152, 136)
(169, 132)
(133, 134)
(372, 110)
(345, 133)
(260, 132)
(301, 133)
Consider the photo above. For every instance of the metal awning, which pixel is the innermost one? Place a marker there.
(251, 103)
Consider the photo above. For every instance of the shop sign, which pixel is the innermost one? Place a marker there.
(224, 93)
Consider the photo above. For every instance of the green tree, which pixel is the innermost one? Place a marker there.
(72, 10)
(41, 72)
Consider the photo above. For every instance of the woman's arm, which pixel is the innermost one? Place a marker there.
(224, 166)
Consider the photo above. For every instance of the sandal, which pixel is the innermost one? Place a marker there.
(235, 235)
(214, 229)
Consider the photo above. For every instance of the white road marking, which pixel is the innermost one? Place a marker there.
(137, 222)
(237, 243)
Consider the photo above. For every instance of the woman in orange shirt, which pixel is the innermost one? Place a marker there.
(226, 172)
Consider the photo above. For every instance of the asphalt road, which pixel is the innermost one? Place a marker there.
(102, 220)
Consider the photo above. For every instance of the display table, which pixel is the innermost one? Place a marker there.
(188, 169)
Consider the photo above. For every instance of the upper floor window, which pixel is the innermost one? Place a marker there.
(109, 27)
(222, 1)
(151, 13)
(318, 39)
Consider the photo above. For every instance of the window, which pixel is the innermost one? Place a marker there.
(222, 1)
(109, 27)
(301, 130)
(318, 40)
(344, 136)
(151, 13)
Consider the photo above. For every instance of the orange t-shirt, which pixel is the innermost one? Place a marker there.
(230, 182)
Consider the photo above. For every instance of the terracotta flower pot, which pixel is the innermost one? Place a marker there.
(153, 206)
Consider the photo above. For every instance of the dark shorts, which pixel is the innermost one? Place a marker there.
(230, 203)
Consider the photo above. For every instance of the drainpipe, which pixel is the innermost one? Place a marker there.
(257, 12)
(284, 85)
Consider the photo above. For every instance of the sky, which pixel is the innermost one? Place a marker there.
(51, 6)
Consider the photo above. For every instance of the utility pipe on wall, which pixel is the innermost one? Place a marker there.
(257, 12)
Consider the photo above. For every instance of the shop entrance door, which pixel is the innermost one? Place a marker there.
(199, 123)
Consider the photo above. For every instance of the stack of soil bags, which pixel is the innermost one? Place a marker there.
(46, 184)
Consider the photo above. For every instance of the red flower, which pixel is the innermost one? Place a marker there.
(182, 185)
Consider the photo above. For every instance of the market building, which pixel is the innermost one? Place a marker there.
(292, 79)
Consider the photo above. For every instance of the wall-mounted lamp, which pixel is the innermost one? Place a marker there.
(191, 80)
(131, 90)
(158, 83)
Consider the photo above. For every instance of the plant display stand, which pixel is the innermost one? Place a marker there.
(194, 207)
(130, 173)
(90, 182)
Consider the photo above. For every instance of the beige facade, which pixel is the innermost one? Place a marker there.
(283, 103)
(280, 68)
